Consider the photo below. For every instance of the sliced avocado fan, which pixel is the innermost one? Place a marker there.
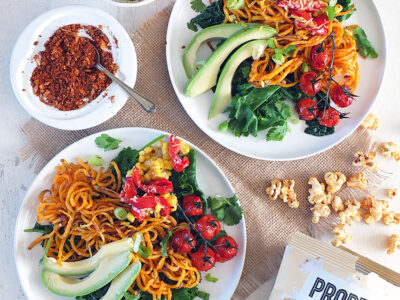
(221, 31)
(223, 93)
(122, 282)
(107, 270)
(86, 266)
(206, 77)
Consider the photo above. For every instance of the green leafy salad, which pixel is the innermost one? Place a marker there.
(264, 80)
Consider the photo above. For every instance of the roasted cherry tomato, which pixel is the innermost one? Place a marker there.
(192, 205)
(307, 109)
(203, 259)
(179, 164)
(183, 241)
(208, 226)
(330, 118)
(320, 58)
(321, 25)
(340, 97)
(307, 86)
(226, 248)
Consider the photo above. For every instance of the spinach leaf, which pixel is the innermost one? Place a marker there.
(129, 296)
(347, 5)
(226, 209)
(96, 294)
(212, 15)
(125, 160)
(260, 109)
(365, 47)
(314, 128)
(198, 5)
(107, 142)
(189, 294)
(45, 229)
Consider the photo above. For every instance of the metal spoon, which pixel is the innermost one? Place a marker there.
(145, 103)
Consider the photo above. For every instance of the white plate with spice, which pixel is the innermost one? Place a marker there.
(210, 179)
(31, 41)
(296, 144)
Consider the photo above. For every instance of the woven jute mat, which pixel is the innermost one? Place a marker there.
(269, 223)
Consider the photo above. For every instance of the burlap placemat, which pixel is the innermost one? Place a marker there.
(269, 223)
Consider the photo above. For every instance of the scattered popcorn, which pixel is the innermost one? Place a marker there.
(367, 203)
(334, 180)
(329, 198)
(389, 150)
(340, 232)
(317, 191)
(320, 210)
(357, 181)
(288, 195)
(274, 190)
(391, 193)
(391, 218)
(351, 213)
(366, 161)
(371, 121)
(394, 243)
(337, 204)
(378, 208)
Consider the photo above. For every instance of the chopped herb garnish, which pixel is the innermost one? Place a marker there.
(164, 243)
(96, 161)
(107, 142)
(365, 47)
(210, 278)
(226, 209)
(144, 251)
(45, 229)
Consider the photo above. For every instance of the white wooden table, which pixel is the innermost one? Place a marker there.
(16, 176)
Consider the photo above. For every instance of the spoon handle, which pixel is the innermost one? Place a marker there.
(144, 102)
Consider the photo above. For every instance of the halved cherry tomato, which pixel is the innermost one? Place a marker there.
(307, 86)
(320, 58)
(307, 109)
(158, 186)
(338, 95)
(330, 118)
(192, 205)
(208, 226)
(203, 259)
(226, 248)
(321, 25)
(183, 241)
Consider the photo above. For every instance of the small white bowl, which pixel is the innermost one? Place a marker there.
(122, 3)
(32, 40)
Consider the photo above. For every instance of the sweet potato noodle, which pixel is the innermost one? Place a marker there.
(65, 77)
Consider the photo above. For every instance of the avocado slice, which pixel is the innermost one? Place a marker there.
(85, 266)
(108, 268)
(122, 282)
(223, 93)
(206, 77)
(213, 32)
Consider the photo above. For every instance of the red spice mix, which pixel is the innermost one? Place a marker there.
(65, 76)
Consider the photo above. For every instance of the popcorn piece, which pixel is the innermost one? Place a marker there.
(390, 149)
(288, 195)
(391, 218)
(337, 204)
(371, 122)
(320, 210)
(367, 203)
(357, 181)
(317, 191)
(340, 232)
(366, 161)
(334, 180)
(394, 243)
(378, 208)
(274, 190)
(391, 193)
(329, 198)
(351, 213)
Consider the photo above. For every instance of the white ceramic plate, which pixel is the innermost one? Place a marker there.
(210, 178)
(296, 144)
(40, 29)
(121, 3)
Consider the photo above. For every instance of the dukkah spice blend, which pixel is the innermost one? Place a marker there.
(65, 76)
